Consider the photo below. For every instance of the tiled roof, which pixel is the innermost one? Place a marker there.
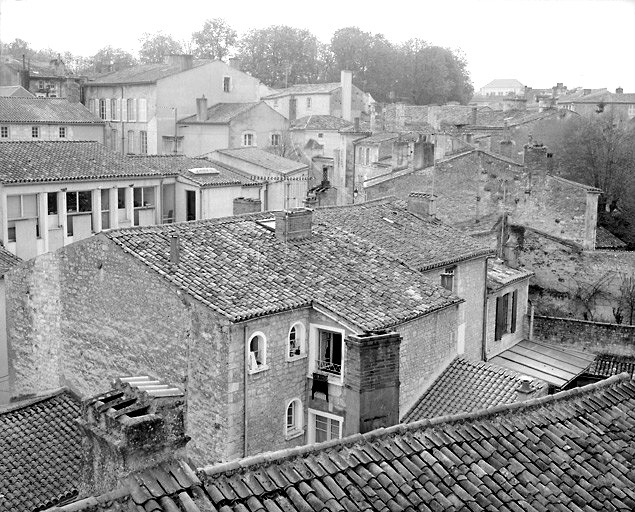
(466, 386)
(573, 96)
(601, 96)
(320, 122)
(571, 451)
(378, 138)
(179, 164)
(26, 162)
(145, 73)
(607, 365)
(221, 113)
(306, 89)
(422, 243)
(500, 275)
(16, 91)
(7, 261)
(45, 110)
(264, 159)
(498, 118)
(604, 239)
(40, 452)
(242, 270)
(503, 82)
(415, 118)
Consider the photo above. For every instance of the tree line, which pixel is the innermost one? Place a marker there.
(280, 56)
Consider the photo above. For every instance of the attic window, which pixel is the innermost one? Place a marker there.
(447, 278)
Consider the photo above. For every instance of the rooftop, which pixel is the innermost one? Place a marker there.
(320, 122)
(604, 239)
(40, 445)
(7, 261)
(142, 74)
(607, 365)
(571, 451)
(221, 113)
(467, 386)
(45, 110)
(16, 91)
(305, 89)
(503, 82)
(599, 96)
(264, 159)
(27, 162)
(500, 275)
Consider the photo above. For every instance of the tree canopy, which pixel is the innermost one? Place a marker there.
(154, 47)
(215, 40)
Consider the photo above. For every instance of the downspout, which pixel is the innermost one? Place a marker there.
(484, 341)
(245, 422)
(531, 320)
(123, 130)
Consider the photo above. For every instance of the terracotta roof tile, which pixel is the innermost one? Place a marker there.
(606, 365)
(604, 239)
(221, 113)
(320, 122)
(7, 261)
(45, 110)
(500, 275)
(144, 73)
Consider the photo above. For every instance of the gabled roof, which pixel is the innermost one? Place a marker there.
(7, 261)
(221, 113)
(500, 275)
(142, 74)
(15, 91)
(40, 447)
(320, 122)
(327, 88)
(604, 239)
(242, 270)
(466, 386)
(28, 162)
(571, 451)
(45, 110)
(503, 82)
(264, 159)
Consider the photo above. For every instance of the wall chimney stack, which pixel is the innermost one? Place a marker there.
(201, 108)
(346, 80)
(535, 157)
(294, 224)
(422, 204)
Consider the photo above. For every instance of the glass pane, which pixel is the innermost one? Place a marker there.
(105, 200)
(291, 415)
(11, 233)
(52, 203)
(71, 201)
(148, 196)
(85, 201)
(13, 207)
(137, 197)
(121, 198)
(335, 429)
(321, 429)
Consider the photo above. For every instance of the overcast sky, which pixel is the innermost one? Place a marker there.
(587, 43)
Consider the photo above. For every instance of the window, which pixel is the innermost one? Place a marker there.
(121, 198)
(631, 111)
(4, 132)
(105, 208)
(130, 141)
(168, 144)
(324, 426)
(297, 342)
(248, 139)
(91, 105)
(308, 103)
(143, 142)
(18, 208)
(143, 197)
(102, 109)
(51, 201)
(367, 156)
(275, 103)
(320, 135)
(79, 202)
(62, 132)
(131, 109)
(35, 132)
(257, 353)
(114, 110)
(329, 356)
(447, 278)
(294, 419)
(275, 139)
(227, 83)
(506, 307)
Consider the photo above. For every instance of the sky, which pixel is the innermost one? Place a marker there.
(586, 43)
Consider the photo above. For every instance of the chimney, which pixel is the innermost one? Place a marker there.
(506, 145)
(422, 204)
(246, 205)
(535, 157)
(474, 115)
(372, 373)
(201, 108)
(619, 90)
(356, 124)
(182, 60)
(136, 425)
(510, 253)
(373, 117)
(346, 80)
(294, 224)
(174, 249)
(234, 62)
(525, 390)
(400, 116)
(586, 92)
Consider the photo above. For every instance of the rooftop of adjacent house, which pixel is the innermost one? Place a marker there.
(574, 184)
(201, 171)
(221, 113)
(607, 365)
(378, 138)
(244, 270)
(28, 162)
(555, 365)
(264, 159)
(466, 386)
(600, 96)
(141, 74)
(327, 88)
(578, 93)
(415, 118)
(604, 239)
(8, 260)
(320, 122)
(500, 275)
(571, 451)
(15, 91)
(500, 118)
(502, 83)
(40, 443)
(45, 110)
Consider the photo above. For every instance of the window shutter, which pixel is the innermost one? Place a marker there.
(514, 308)
(134, 110)
(124, 109)
(108, 112)
(500, 318)
(143, 112)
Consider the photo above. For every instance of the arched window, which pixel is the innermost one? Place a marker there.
(257, 352)
(294, 418)
(297, 341)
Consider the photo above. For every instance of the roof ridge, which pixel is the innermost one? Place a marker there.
(27, 402)
(269, 457)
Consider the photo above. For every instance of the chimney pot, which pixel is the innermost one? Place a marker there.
(174, 249)
(525, 384)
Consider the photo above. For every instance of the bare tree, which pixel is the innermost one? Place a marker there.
(587, 293)
(626, 302)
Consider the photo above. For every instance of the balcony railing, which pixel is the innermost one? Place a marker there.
(328, 367)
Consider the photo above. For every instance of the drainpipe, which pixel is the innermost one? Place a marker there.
(245, 382)
(531, 320)
(123, 131)
(484, 341)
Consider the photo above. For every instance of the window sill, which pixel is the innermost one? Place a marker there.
(260, 369)
(337, 380)
(294, 434)
(290, 359)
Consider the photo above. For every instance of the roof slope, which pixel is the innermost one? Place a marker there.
(144, 73)
(221, 113)
(264, 159)
(500, 275)
(503, 82)
(15, 91)
(571, 451)
(326, 88)
(387, 223)
(240, 269)
(320, 122)
(466, 386)
(7, 260)
(604, 239)
(40, 445)
(25, 162)
(45, 110)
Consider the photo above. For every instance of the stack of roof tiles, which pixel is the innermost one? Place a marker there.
(40, 452)
(573, 451)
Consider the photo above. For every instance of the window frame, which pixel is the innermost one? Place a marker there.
(448, 276)
(102, 110)
(275, 139)
(262, 366)
(4, 132)
(61, 132)
(227, 83)
(312, 415)
(244, 136)
(296, 429)
(313, 352)
(143, 142)
(301, 351)
(114, 110)
(35, 132)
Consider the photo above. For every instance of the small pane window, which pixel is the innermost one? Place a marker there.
(4, 132)
(327, 429)
(102, 109)
(294, 418)
(308, 102)
(248, 139)
(143, 142)
(257, 353)
(114, 111)
(275, 139)
(62, 132)
(35, 132)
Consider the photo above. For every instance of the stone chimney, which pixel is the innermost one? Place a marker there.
(182, 60)
(474, 116)
(372, 381)
(235, 63)
(535, 157)
(400, 116)
(294, 224)
(619, 90)
(422, 204)
(246, 205)
(201, 108)
(136, 425)
(346, 80)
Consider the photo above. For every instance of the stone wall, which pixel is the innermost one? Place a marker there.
(594, 337)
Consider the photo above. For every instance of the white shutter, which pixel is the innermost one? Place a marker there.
(133, 113)
(108, 113)
(143, 110)
(115, 111)
(124, 109)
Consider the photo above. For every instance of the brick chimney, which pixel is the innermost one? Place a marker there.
(183, 60)
(422, 204)
(346, 80)
(201, 108)
(134, 426)
(619, 90)
(294, 224)
(246, 205)
(372, 381)
(535, 157)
